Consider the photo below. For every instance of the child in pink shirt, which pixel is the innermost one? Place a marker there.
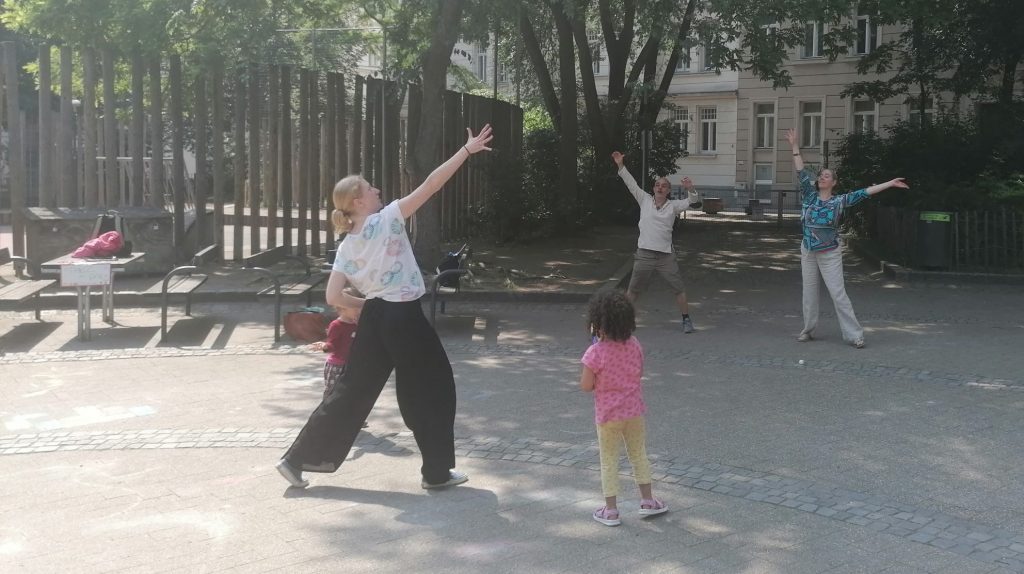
(612, 368)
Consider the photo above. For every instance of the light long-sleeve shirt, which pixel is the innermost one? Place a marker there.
(655, 222)
(820, 218)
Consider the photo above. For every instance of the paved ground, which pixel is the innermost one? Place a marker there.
(127, 455)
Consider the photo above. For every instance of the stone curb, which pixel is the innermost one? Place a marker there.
(907, 275)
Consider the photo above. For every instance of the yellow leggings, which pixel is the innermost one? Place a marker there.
(610, 436)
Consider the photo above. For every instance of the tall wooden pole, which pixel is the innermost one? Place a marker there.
(156, 135)
(15, 158)
(138, 142)
(47, 197)
(66, 133)
(177, 150)
(110, 176)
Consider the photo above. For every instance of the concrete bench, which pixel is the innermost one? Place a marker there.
(22, 289)
(185, 280)
(283, 284)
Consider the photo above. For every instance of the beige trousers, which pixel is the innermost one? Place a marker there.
(828, 264)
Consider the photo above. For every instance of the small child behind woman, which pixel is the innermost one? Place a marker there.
(340, 333)
(612, 369)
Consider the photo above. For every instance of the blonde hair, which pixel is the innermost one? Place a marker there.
(346, 191)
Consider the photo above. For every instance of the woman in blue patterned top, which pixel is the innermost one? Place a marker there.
(821, 250)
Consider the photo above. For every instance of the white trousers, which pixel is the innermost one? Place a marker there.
(829, 264)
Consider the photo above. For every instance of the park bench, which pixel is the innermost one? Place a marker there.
(183, 281)
(283, 284)
(448, 282)
(23, 288)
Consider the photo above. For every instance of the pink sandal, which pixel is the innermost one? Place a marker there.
(652, 507)
(607, 517)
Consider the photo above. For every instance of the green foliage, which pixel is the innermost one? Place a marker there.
(247, 30)
(950, 164)
(525, 203)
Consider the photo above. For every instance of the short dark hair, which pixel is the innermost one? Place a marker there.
(611, 313)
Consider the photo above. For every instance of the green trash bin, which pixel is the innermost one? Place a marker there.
(933, 228)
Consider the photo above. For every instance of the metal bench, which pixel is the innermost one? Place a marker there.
(183, 281)
(283, 285)
(23, 288)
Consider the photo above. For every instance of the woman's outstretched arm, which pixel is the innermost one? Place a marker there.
(798, 161)
(437, 178)
(898, 182)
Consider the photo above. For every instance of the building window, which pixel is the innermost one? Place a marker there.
(764, 174)
(764, 125)
(864, 117)
(814, 40)
(708, 129)
(372, 60)
(867, 32)
(481, 66)
(707, 62)
(685, 57)
(914, 111)
(595, 40)
(810, 124)
(502, 73)
(681, 118)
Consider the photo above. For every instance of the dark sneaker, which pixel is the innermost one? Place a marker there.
(688, 325)
(454, 477)
(292, 475)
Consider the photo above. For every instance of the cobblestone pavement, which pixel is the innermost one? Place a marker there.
(775, 456)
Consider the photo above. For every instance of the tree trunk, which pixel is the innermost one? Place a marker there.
(427, 239)
(595, 117)
(617, 48)
(1009, 78)
(540, 66)
(568, 144)
(657, 98)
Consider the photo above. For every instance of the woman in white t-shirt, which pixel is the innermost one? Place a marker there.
(376, 258)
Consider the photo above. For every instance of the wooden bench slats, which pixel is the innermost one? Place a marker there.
(186, 284)
(21, 290)
(299, 287)
(266, 258)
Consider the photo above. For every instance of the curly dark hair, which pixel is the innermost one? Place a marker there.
(612, 313)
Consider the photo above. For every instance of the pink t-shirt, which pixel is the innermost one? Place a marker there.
(618, 366)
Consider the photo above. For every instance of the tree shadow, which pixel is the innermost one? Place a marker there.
(25, 336)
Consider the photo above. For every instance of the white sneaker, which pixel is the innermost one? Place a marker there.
(804, 337)
(292, 475)
(454, 477)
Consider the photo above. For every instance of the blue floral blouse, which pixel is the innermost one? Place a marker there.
(820, 219)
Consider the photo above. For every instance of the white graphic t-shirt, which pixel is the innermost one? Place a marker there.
(378, 261)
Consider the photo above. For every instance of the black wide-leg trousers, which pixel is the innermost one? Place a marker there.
(390, 336)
